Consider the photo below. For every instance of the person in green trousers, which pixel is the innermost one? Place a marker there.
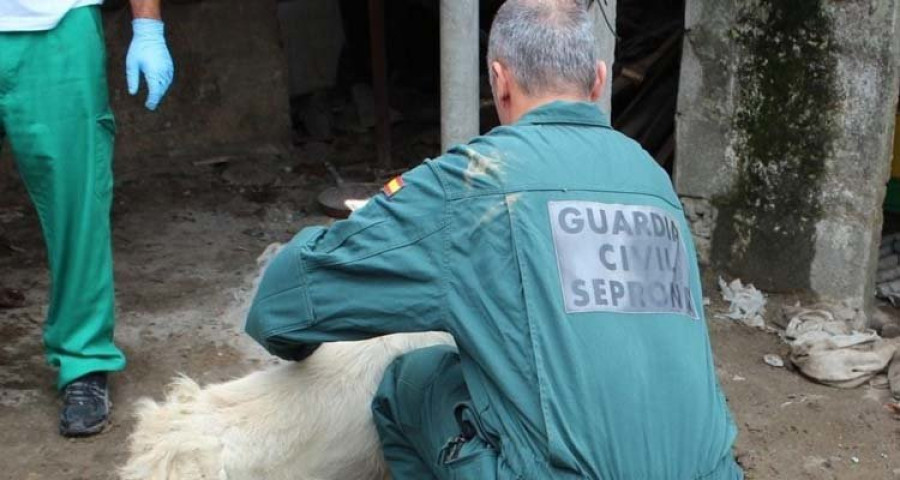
(556, 253)
(54, 109)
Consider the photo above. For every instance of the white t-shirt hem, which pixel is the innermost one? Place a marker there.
(13, 19)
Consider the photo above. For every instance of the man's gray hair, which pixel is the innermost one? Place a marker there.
(548, 45)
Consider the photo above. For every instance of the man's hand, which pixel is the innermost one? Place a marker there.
(149, 55)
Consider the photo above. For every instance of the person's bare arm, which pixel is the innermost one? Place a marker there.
(146, 9)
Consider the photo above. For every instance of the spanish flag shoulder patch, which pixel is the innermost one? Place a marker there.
(392, 187)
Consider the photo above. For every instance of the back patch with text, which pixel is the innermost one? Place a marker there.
(620, 258)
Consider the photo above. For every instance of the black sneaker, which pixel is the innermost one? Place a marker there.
(85, 409)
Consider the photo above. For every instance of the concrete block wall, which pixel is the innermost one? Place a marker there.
(784, 127)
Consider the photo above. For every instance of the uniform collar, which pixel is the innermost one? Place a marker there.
(562, 112)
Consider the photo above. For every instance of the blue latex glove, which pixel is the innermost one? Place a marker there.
(149, 55)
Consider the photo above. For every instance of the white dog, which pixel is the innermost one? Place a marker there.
(310, 420)
(304, 421)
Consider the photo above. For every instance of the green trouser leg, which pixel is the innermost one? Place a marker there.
(415, 411)
(55, 110)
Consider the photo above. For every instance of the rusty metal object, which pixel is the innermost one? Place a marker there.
(345, 197)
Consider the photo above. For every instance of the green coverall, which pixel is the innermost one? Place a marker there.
(557, 255)
(55, 111)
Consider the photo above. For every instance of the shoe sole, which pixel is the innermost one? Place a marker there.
(84, 433)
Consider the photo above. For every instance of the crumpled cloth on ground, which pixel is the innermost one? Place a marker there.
(747, 304)
(830, 352)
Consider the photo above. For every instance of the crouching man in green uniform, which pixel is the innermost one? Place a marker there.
(54, 109)
(556, 253)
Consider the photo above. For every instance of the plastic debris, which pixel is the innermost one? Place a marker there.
(747, 304)
(804, 321)
(773, 360)
(842, 316)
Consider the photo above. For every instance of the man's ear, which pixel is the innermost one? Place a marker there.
(599, 81)
(501, 84)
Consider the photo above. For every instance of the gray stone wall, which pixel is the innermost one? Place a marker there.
(784, 127)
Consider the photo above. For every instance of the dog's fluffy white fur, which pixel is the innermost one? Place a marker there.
(305, 421)
(310, 420)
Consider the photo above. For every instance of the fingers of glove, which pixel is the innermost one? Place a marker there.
(132, 71)
(157, 85)
(158, 73)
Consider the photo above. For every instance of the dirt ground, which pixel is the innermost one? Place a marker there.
(186, 240)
